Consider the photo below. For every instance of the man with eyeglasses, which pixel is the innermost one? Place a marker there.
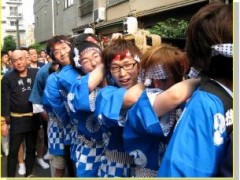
(88, 146)
(121, 59)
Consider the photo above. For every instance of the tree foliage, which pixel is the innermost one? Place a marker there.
(37, 46)
(9, 43)
(170, 28)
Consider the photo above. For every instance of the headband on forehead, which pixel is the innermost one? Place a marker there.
(117, 57)
(90, 48)
(222, 49)
(155, 72)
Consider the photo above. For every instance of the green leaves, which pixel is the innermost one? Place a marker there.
(171, 28)
(9, 43)
(37, 46)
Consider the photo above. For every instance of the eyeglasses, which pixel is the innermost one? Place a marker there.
(88, 60)
(126, 67)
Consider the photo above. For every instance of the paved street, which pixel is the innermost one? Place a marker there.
(37, 171)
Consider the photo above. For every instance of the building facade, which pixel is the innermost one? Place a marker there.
(12, 22)
(71, 17)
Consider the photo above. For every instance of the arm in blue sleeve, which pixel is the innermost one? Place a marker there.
(67, 76)
(109, 104)
(55, 99)
(39, 84)
(78, 97)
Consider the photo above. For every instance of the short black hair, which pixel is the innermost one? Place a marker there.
(4, 53)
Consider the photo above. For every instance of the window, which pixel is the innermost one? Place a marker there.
(86, 7)
(12, 23)
(3, 22)
(13, 11)
(68, 3)
(114, 2)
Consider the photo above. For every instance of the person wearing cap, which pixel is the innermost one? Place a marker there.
(199, 144)
(81, 99)
(148, 129)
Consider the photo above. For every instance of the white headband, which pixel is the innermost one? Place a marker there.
(154, 72)
(91, 48)
(193, 73)
(222, 49)
(76, 58)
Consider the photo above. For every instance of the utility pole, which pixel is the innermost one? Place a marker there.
(18, 34)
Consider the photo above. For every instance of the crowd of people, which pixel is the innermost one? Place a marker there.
(119, 112)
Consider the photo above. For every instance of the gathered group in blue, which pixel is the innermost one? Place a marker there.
(119, 112)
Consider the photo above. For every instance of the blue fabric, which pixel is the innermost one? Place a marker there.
(199, 141)
(55, 136)
(111, 116)
(108, 110)
(88, 160)
(39, 84)
(143, 135)
(55, 98)
(109, 104)
(67, 76)
(87, 124)
(87, 157)
(79, 92)
(55, 133)
(114, 169)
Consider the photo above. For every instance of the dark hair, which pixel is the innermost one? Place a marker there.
(52, 67)
(119, 46)
(4, 53)
(81, 47)
(170, 57)
(24, 48)
(83, 37)
(55, 40)
(43, 50)
(211, 25)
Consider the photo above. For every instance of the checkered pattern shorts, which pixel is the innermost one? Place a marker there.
(55, 139)
(67, 134)
(74, 143)
(114, 169)
(88, 160)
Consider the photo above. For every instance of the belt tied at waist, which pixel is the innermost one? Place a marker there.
(90, 143)
(120, 157)
(14, 114)
(144, 172)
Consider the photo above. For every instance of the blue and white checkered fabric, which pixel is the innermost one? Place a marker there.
(74, 143)
(56, 139)
(88, 160)
(114, 169)
(67, 134)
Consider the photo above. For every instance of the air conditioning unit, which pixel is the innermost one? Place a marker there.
(99, 14)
